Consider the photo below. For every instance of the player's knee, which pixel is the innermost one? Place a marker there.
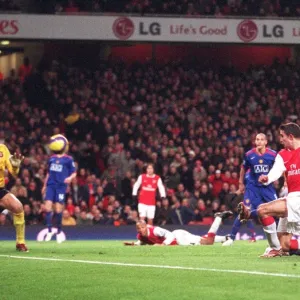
(261, 210)
(17, 207)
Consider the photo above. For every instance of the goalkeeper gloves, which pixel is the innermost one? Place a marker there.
(16, 160)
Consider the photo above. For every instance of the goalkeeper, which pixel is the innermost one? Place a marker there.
(8, 200)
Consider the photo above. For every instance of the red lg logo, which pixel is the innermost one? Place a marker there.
(247, 31)
(123, 28)
(8, 27)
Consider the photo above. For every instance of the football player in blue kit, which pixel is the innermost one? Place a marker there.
(258, 161)
(61, 172)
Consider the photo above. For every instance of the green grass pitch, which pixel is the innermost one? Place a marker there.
(72, 275)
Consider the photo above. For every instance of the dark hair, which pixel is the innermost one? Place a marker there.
(291, 128)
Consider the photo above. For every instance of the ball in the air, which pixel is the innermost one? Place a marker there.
(58, 143)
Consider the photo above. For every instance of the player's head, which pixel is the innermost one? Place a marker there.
(141, 228)
(289, 132)
(150, 169)
(261, 141)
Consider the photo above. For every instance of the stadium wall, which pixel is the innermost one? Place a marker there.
(115, 233)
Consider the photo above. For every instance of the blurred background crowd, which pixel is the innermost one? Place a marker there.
(193, 123)
(217, 8)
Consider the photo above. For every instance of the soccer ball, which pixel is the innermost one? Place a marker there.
(58, 143)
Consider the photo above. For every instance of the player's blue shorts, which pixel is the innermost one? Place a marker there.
(56, 194)
(257, 195)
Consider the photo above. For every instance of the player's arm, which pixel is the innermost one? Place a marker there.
(168, 235)
(72, 172)
(13, 162)
(45, 184)
(275, 173)
(137, 243)
(161, 188)
(136, 186)
(241, 180)
(70, 178)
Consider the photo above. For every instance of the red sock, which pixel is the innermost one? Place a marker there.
(267, 221)
(211, 235)
(294, 245)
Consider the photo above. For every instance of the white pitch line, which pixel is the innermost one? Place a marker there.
(152, 266)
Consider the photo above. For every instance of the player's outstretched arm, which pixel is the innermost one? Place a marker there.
(13, 163)
(137, 243)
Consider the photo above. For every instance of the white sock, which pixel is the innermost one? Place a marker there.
(220, 238)
(272, 237)
(215, 225)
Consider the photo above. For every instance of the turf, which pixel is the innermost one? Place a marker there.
(35, 279)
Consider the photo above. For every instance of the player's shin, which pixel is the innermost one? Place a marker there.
(19, 223)
(59, 221)
(250, 226)
(235, 228)
(214, 227)
(49, 220)
(269, 226)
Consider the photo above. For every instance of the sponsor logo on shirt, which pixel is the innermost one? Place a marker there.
(294, 170)
(56, 167)
(261, 169)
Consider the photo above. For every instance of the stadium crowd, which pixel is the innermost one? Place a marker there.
(194, 124)
(217, 8)
(9, 5)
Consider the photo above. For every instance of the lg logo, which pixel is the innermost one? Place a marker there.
(248, 31)
(275, 31)
(124, 28)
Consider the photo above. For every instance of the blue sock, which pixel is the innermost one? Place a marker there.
(59, 221)
(235, 228)
(253, 214)
(250, 226)
(49, 220)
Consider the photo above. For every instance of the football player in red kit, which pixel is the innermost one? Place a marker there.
(148, 184)
(287, 208)
(157, 236)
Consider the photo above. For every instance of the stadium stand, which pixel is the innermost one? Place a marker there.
(214, 8)
(193, 123)
(9, 5)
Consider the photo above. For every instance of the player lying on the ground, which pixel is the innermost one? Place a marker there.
(287, 208)
(157, 236)
(257, 161)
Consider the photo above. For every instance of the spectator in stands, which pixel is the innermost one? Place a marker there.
(173, 178)
(71, 7)
(163, 213)
(67, 220)
(25, 69)
(4, 221)
(184, 132)
(83, 219)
